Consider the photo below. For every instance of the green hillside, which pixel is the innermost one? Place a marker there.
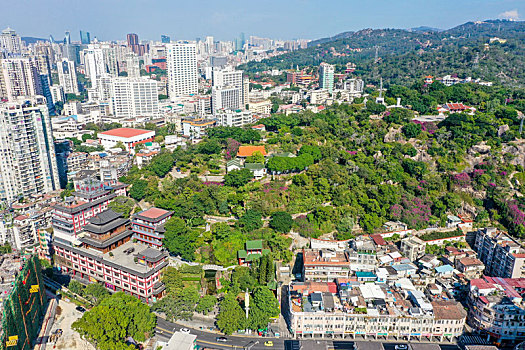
(406, 56)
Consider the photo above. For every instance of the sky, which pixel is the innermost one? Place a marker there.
(226, 19)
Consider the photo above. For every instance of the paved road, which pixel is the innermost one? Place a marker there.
(165, 329)
(208, 339)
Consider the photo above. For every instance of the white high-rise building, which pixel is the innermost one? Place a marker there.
(27, 153)
(134, 97)
(100, 59)
(182, 70)
(354, 86)
(10, 42)
(225, 97)
(224, 80)
(67, 76)
(20, 77)
(227, 77)
(210, 45)
(326, 77)
(132, 65)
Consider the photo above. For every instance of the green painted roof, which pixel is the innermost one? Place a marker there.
(256, 244)
(241, 254)
(252, 257)
(254, 166)
(235, 161)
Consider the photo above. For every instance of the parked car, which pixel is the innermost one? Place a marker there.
(80, 308)
(268, 343)
(401, 347)
(185, 330)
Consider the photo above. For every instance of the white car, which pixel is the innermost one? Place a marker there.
(401, 347)
(185, 330)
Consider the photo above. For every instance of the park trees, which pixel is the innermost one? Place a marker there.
(238, 178)
(109, 324)
(281, 221)
(122, 205)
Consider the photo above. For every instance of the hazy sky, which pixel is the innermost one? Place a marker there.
(225, 19)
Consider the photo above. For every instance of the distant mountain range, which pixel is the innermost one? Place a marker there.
(424, 29)
(405, 56)
(32, 40)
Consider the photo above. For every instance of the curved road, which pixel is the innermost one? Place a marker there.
(207, 339)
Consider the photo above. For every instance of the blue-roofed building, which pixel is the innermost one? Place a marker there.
(444, 270)
(365, 276)
(404, 270)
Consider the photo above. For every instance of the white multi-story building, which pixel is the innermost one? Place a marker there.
(134, 97)
(182, 69)
(100, 59)
(228, 78)
(236, 118)
(27, 154)
(502, 255)
(354, 86)
(226, 97)
(496, 308)
(346, 309)
(326, 77)
(19, 78)
(132, 65)
(10, 42)
(67, 76)
(57, 93)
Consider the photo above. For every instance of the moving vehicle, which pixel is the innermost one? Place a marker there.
(222, 339)
(80, 308)
(401, 347)
(185, 330)
(268, 343)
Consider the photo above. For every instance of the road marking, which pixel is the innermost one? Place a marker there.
(212, 343)
(202, 341)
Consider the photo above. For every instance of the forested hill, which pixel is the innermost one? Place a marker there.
(406, 56)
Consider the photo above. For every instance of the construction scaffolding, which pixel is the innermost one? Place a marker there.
(24, 306)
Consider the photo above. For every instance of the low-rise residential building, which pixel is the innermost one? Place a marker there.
(260, 106)
(502, 255)
(258, 170)
(325, 265)
(196, 128)
(362, 254)
(237, 118)
(148, 225)
(496, 308)
(470, 267)
(413, 247)
(347, 309)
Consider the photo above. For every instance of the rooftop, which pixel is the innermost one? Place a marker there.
(125, 132)
(153, 214)
(123, 257)
(325, 257)
(246, 151)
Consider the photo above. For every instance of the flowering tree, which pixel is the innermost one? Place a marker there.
(232, 147)
(414, 212)
(461, 179)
